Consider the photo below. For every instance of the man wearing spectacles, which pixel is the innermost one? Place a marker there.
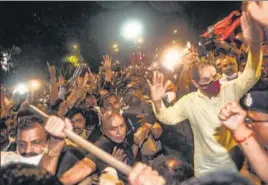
(212, 142)
(250, 129)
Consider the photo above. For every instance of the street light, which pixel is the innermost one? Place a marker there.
(171, 58)
(75, 46)
(175, 31)
(35, 84)
(140, 40)
(21, 89)
(115, 46)
(132, 30)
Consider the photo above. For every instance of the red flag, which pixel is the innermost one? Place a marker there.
(224, 28)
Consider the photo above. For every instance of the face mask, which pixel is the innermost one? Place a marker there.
(213, 88)
(31, 160)
(170, 96)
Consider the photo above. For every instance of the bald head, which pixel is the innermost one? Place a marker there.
(113, 126)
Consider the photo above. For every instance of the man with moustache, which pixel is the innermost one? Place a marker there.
(31, 142)
(212, 142)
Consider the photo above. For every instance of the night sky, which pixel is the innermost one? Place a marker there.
(50, 28)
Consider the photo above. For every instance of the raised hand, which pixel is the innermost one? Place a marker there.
(252, 32)
(190, 58)
(157, 87)
(259, 11)
(140, 135)
(107, 62)
(232, 116)
(52, 70)
(80, 92)
(55, 126)
(61, 80)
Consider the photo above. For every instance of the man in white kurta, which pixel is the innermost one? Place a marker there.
(211, 140)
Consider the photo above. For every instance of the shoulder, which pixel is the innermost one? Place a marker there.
(189, 97)
(104, 143)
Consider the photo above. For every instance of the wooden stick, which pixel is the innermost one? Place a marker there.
(90, 147)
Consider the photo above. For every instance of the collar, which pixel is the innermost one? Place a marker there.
(6, 148)
(200, 94)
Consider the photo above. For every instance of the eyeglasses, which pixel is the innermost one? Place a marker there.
(250, 120)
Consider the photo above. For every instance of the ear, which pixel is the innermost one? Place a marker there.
(195, 84)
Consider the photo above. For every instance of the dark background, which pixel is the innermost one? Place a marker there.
(45, 30)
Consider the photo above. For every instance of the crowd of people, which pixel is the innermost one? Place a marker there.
(123, 111)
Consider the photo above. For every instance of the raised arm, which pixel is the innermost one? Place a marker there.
(184, 79)
(233, 117)
(253, 36)
(171, 115)
(73, 98)
(54, 91)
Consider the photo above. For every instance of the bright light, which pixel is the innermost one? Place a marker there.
(116, 50)
(115, 46)
(173, 42)
(35, 84)
(75, 46)
(175, 31)
(171, 58)
(140, 40)
(132, 30)
(21, 89)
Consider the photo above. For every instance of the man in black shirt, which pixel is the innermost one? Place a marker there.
(112, 140)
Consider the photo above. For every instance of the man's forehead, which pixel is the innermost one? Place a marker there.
(37, 132)
(207, 71)
(114, 120)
